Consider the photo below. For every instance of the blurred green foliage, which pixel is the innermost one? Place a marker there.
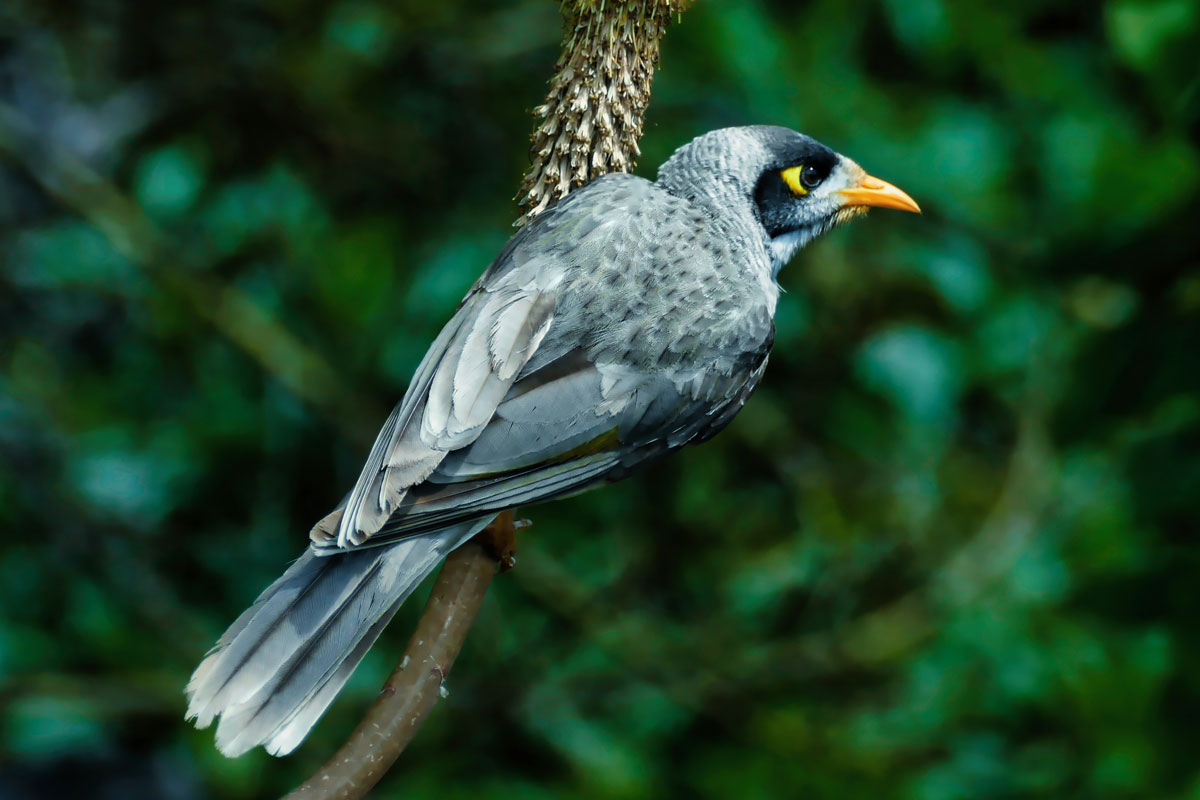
(948, 551)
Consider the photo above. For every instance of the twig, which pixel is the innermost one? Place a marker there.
(230, 311)
(416, 684)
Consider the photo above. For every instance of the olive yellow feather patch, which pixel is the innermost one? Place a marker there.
(791, 176)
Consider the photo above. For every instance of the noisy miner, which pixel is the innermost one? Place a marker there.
(629, 320)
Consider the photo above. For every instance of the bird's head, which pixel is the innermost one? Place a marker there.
(797, 187)
(806, 189)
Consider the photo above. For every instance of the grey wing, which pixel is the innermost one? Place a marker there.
(523, 398)
(454, 393)
(570, 425)
(467, 371)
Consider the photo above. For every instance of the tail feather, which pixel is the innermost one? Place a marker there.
(291, 732)
(267, 634)
(281, 663)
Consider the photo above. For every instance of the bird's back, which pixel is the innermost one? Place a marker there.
(651, 280)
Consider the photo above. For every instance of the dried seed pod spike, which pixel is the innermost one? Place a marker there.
(594, 110)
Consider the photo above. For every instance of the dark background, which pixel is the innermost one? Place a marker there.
(948, 551)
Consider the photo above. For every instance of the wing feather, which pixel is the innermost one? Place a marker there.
(568, 430)
(463, 378)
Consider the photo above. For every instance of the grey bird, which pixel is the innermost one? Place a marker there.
(629, 320)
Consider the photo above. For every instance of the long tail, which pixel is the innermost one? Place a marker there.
(281, 663)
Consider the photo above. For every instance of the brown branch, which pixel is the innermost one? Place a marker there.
(412, 689)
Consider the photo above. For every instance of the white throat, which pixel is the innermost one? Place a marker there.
(784, 246)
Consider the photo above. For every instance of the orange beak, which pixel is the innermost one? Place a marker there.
(871, 191)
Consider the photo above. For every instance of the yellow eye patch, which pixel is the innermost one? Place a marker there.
(791, 176)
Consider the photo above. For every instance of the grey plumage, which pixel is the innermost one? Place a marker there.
(281, 663)
(629, 320)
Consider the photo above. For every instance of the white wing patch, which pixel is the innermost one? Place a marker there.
(481, 366)
(496, 333)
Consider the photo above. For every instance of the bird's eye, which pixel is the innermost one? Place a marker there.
(810, 176)
(802, 178)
